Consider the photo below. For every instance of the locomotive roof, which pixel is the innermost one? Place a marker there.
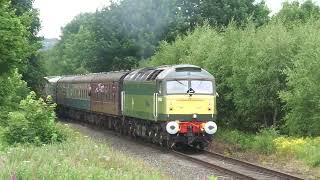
(183, 71)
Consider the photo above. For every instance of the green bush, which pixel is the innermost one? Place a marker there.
(261, 142)
(264, 141)
(302, 96)
(237, 138)
(34, 122)
(12, 90)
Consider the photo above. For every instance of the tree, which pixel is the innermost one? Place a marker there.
(223, 11)
(32, 70)
(298, 12)
(114, 38)
(302, 96)
(218, 13)
(14, 48)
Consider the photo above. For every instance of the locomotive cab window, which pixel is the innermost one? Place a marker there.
(202, 87)
(177, 87)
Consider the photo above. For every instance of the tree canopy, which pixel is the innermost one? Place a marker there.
(14, 48)
(119, 36)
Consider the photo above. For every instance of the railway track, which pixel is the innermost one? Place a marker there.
(234, 167)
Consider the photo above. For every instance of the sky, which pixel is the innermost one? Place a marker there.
(55, 14)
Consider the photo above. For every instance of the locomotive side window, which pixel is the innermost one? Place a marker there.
(177, 87)
(202, 87)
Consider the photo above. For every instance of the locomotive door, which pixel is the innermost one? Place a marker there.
(155, 99)
(155, 105)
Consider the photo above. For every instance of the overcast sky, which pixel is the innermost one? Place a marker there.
(55, 14)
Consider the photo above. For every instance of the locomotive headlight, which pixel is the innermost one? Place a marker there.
(210, 127)
(194, 116)
(172, 127)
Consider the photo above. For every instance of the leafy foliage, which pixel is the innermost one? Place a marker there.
(302, 97)
(32, 71)
(298, 12)
(12, 91)
(14, 46)
(262, 141)
(269, 141)
(33, 123)
(221, 13)
(119, 36)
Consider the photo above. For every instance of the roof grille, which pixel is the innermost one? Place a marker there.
(153, 75)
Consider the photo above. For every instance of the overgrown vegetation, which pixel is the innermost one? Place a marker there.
(33, 122)
(269, 141)
(23, 119)
(77, 158)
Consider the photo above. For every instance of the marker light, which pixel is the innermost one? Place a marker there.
(210, 127)
(172, 127)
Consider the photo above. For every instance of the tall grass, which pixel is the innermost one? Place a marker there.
(77, 158)
(268, 141)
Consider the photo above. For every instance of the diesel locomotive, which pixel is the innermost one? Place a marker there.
(168, 105)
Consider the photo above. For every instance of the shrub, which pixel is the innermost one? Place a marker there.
(264, 141)
(12, 90)
(235, 137)
(33, 123)
(261, 142)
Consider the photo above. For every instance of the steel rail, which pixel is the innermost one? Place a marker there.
(213, 166)
(226, 163)
(265, 170)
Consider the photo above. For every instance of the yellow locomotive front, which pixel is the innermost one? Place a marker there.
(187, 102)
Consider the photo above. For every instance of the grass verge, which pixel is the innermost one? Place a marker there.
(77, 158)
(268, 141)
